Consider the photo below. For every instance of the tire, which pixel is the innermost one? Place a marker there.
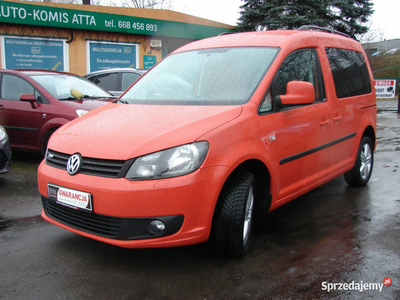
(362, 170)
(234, 216)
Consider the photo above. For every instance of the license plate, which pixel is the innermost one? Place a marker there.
(72, 198)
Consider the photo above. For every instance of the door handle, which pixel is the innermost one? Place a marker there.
(337, 119)
(2, 107)
(324, 123)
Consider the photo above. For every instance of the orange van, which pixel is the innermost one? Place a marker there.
(216, 135)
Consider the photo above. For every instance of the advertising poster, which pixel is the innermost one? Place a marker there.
(33, 53)
(104, 56)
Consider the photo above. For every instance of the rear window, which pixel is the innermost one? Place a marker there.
(106, 81)
(350, 72)
(128, 79)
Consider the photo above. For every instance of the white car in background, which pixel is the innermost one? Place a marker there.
(115, 81)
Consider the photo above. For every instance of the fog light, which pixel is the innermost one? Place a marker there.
(156, 227)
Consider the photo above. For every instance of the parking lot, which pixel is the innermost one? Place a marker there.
(334, 238)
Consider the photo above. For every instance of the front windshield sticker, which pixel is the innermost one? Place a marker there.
(62, 89)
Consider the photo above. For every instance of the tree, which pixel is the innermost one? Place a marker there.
(342, 15)
(161, 4)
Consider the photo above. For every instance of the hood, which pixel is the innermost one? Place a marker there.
(87, 104)
(123, 131)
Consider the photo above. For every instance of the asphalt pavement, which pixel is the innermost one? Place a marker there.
(336, 242)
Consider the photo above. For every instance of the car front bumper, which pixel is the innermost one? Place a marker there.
(122, 209)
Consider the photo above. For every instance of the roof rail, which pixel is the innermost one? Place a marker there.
(226, 33)
(318, 28)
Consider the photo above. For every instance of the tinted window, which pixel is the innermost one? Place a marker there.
(12, 87)
(350, 72)
(107, 81)
(128, 79)
(40, 98)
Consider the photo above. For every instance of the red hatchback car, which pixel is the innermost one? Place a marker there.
(34, 103)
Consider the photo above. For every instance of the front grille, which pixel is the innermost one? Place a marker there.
(110, 227)
(91, 166)
(96, 224)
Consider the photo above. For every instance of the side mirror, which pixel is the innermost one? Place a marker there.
(297, 93)
(29, 98)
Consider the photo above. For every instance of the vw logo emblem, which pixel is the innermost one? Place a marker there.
(74, 164)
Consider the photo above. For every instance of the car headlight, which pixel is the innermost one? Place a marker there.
(81, 112)
(3, 133)
(168, 163)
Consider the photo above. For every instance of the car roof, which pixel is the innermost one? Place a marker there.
(285, 39)
(131, 70)
(30, 72)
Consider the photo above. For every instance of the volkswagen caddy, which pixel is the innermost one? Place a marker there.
(218, 134)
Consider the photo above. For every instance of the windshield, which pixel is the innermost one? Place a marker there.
(60, 86)
(219, 76)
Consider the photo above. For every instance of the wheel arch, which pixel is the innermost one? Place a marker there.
(263, 198)
(370, 132)
(48, 129)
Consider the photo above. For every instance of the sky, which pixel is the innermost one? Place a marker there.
(384, 23)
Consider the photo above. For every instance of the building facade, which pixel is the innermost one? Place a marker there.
(382, 47)
(85, 38)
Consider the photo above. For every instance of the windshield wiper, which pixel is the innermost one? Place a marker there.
(99, 97)
(123, 101)
(89, 97)
(69, 98)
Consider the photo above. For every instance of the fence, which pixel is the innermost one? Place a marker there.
(388, 104)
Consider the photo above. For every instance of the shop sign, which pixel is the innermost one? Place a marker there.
(149, 61)
(52, 16)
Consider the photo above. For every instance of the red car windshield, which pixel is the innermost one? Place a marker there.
(60, 86)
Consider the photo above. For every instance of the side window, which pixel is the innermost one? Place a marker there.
(92, 78)
(40, 98)
(301, 65)
(350, 72)
(128, 79)
(107, 81)
(12, 87)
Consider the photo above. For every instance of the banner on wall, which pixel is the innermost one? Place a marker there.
(149, 61)
(103, 56)
(33, 53)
